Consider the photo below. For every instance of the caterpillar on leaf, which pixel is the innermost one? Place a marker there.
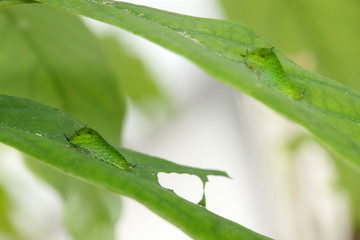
(91, 142)
(266, 64)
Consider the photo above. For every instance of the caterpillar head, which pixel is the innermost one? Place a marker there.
(261, 58)
(84, 137)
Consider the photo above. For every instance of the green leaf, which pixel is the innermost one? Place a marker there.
(62, 64)
(38, 131)
(329, 110)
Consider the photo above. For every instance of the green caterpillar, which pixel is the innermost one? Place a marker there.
(90, 141)
(265, 63)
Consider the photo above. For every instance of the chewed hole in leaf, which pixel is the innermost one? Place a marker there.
(187, 186)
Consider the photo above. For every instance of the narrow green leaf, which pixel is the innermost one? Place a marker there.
(38, 131)
(329, 110)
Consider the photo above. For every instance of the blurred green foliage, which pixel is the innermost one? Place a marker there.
(50, 56)
(7, 3)
(7, 229)
(349, 179)
(89, 212)
(137, 84)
